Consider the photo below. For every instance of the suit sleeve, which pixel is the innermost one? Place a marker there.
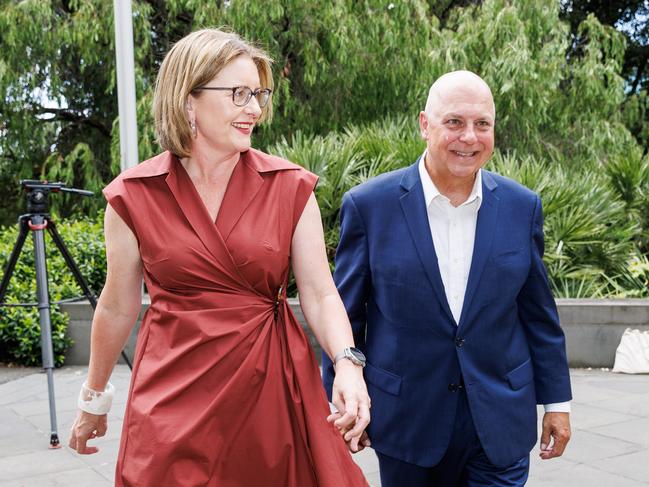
(538, 313)
(352, 277)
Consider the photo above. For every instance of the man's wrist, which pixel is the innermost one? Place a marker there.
(557, 407)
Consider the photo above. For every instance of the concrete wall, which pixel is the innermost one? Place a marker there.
(593, 328)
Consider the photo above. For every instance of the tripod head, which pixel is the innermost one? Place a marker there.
(38, 192)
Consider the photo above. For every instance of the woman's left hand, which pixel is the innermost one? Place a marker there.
(349, 395)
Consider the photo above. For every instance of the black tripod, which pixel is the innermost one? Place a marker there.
(36, 220)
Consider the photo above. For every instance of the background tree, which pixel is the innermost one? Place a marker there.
(57, 74)
(631, 18)
(338, 63)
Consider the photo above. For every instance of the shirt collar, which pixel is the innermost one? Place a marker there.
(431, 192)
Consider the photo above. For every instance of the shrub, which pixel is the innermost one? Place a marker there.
(20, 326)
(589, 237)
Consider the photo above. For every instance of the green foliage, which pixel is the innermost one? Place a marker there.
(57, 71)
(635, 112)
(629, 178)
(20, 326)
(630, 17)
(337, 64)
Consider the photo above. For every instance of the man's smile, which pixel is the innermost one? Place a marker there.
(464, 154)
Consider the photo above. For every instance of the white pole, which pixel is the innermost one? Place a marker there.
(125, 83)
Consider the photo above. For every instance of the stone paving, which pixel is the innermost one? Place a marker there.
(609, 448)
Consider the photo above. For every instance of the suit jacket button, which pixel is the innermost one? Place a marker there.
(452, 387)
(459, 342)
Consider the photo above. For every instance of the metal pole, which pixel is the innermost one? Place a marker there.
(125, 83)
(39, 223)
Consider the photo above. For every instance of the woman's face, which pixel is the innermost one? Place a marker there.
(222, 126)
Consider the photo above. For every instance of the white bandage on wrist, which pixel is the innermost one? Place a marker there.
(95, 402)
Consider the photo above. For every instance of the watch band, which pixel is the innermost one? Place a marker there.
(353, 354)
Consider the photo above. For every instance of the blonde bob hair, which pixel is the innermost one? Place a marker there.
(191, 63)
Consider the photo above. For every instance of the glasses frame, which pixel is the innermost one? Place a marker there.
(234, 89)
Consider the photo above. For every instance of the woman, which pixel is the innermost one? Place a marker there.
(225, 388)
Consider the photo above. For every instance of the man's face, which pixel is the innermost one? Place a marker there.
(459, 132)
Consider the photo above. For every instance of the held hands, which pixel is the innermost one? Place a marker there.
(557, 427)
(86, 427)
(349, 395)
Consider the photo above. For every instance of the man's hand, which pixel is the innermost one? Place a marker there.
(350, 397)
(362, 443)
(557, 427)
(86, 427)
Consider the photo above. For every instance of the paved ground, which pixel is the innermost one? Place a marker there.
(610, 445)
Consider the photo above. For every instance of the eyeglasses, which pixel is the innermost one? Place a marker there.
(241, 95)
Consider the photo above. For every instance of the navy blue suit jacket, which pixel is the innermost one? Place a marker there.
(508, 345)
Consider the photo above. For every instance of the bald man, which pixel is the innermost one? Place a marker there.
(440, 268)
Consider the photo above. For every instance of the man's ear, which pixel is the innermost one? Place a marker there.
(423, 125)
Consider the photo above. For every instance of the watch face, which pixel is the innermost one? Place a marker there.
(358, 355)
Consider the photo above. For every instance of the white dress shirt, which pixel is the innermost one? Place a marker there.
(453, 231)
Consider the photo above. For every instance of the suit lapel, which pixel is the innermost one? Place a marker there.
(414, 210)
(484, 233)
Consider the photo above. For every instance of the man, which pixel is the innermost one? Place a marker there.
(440, 268)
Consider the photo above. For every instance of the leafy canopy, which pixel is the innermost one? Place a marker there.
(337, 63)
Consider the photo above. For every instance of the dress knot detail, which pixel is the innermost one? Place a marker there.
(278, 300)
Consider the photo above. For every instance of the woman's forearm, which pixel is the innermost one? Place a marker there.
(328, 320)
(120, 301)
(109, 334)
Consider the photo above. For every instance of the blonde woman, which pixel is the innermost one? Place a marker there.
(225, 388)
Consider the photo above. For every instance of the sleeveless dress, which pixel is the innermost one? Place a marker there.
(225, 388)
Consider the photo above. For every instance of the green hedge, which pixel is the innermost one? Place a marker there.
(19, 327)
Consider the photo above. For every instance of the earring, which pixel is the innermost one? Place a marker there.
(192, 125)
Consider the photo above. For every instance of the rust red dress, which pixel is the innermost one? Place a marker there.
(225, 389)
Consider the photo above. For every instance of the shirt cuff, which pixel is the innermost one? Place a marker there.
(557, 407)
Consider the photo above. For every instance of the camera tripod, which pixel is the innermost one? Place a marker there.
(37, 220)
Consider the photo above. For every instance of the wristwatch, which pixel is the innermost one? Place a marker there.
(354, 354)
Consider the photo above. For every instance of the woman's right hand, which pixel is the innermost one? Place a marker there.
(86, 427)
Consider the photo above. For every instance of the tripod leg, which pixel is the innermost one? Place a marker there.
(72, 265)
(13, 258)
(37, 225)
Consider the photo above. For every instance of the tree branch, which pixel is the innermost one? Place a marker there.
(67, 115)
(638, 76)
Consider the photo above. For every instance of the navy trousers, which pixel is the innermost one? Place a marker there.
(464, 464)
